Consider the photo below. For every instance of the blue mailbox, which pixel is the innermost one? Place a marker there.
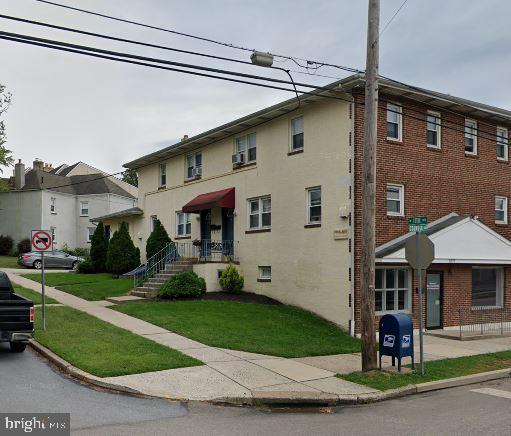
(396, 337)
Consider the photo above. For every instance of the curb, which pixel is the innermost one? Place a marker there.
(279, 398)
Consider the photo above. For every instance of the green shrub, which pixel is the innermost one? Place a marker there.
(86, 267)
(99, 248)
(78, 251)
(231, 280)
(24, 246)
(122, 254)
(6, 244)
(185, 284)
(157, 240)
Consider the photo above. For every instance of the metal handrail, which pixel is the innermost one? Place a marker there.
(484, 321)
(225, 250)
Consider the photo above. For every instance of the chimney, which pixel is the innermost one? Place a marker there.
(38, 165)
(48, 167)
(19, 175)
(184, 138)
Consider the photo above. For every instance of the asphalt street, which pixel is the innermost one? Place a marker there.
(29, 384)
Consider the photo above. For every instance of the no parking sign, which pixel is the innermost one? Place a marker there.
(42, 240)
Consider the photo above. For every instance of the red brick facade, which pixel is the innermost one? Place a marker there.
(436, 183)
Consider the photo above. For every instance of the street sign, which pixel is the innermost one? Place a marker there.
(422, 245)
(417, 224)
(42, 240)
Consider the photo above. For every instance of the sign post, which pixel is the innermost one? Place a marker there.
(419, 252)
(42, 241)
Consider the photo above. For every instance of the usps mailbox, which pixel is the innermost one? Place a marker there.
(396, 337)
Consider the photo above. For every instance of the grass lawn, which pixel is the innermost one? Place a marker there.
(259, 328)
(9, 262)
(434, 370)
(91, 287)
(102, 349)
(32, 295)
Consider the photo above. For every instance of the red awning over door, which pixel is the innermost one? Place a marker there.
(223, 198)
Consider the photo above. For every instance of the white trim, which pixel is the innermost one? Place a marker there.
(291, 149)
(245, 152)
(408, 297)
(399, 121)
(438, 115)
(259, 212)
(308, 204)
(82, 208)
(401, 200)
(193, 154)
(162, 166)
(474, 122)
(261, 275)
(506, 143)
(505, 207)
(187, 220)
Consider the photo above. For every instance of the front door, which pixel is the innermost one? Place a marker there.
(433, 300)
(205, 232)
(227, 231)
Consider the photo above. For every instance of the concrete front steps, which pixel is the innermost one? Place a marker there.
(150, 288)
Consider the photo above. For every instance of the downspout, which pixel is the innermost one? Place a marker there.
(352, 214)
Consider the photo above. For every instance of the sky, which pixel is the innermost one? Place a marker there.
(68, 108)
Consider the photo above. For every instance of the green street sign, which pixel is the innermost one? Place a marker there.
(417, 224)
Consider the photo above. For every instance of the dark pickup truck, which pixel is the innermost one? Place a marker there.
(16, 316)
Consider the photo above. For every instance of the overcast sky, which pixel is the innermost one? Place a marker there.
(68, 107)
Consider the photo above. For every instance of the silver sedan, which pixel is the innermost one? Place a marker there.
(52, 259)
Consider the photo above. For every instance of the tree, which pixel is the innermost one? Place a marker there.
(122, 255)
(130, 176)
(6, 158)
(99, 248)
(157, 241)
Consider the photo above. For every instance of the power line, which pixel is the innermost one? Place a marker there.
(387, 24)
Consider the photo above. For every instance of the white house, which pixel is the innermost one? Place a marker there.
(61, 199)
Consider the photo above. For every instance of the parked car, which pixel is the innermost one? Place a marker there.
(54, 259)
(16, 316)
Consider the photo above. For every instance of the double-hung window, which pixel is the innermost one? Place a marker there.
(395, 200)
(501, 210)
(183, 224)
(259, 213)
(84, 208)
(246, 146)
(53, 205)
(394, 122)
(392, 289)
(502, 143)
(314, 205)
(162, 178)
(487, 287)
(433, 129)
(152, 222)
(90, 233)
(297, 142)
(470, 137)
(193, 165)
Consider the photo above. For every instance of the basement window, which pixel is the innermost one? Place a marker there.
(264, 274)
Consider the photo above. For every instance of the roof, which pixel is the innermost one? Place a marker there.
(66, 169)
(457, 240)
(121, 214)
(88, 184)
(222, 198)
(347, 86)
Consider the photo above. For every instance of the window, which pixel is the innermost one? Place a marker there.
(470, 137)
(183, 224)
(84, 208)
(314, 205)
(193, 165)
(392, 289)
(259, 213)
(90, 233)
(297, 134)
(487, 285)
(246, 145)
(163, 175)
(433, 129)
(501, 210)
(152, 222)
(265, 273)
(502, 143)
(395, 200)
(53, 205)
(394, 121)
(54, 233)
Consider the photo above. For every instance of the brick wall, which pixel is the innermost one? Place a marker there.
(436, 183)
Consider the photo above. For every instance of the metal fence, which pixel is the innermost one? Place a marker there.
(218, 251)
(479, 322)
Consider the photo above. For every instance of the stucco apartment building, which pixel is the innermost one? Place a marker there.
(61, 199)
(284, 185)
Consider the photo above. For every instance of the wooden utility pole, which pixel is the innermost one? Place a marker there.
(369, 357)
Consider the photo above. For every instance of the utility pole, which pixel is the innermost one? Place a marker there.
(369, 357)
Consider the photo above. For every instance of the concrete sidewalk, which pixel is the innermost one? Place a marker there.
(239, 374)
